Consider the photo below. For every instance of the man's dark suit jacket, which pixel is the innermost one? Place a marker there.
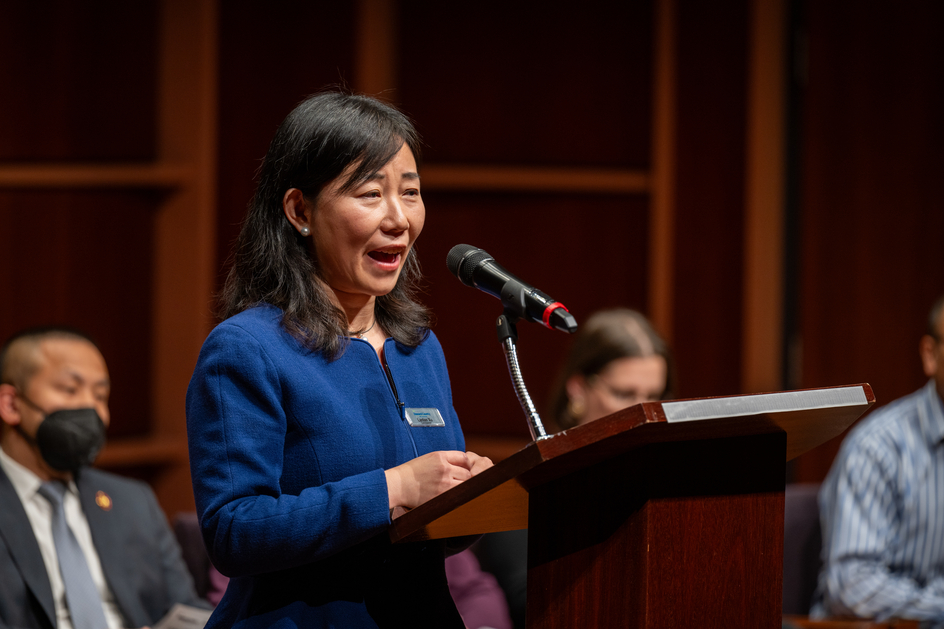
(139, 554)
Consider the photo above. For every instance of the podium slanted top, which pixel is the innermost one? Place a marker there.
(497, 499)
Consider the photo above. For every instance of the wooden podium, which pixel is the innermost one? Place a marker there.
(665, 514)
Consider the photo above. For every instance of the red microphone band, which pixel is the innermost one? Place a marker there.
(546, 318)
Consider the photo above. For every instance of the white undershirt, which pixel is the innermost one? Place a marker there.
(39, 512)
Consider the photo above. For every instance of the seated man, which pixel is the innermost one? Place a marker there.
(882, 506)
(79, 547)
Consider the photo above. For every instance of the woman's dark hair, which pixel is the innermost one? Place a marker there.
(606, 336)
(322, 137)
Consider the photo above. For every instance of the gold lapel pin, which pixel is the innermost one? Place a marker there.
(103, 500)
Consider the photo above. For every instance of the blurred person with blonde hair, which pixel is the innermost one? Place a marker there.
(617, 360)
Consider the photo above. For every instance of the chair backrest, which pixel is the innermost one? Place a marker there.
(187, 531)
(802, 543)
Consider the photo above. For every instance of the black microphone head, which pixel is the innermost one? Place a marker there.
(462, 260)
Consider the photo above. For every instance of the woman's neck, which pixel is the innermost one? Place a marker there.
(361, 321)
(359, 309)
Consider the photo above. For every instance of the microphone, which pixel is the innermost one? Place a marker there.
(476, 268)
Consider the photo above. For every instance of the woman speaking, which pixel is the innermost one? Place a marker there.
(322, 401)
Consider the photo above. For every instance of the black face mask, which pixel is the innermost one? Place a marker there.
(69, 438)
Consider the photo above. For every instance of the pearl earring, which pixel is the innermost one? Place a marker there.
(305, 231)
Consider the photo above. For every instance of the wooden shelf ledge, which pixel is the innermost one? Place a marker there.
(520, 178)
(142, 451)
(154, 176)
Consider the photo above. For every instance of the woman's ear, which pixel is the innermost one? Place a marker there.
(576, 387)
(297, 211)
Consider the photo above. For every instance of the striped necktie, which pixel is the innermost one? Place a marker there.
(82, 597)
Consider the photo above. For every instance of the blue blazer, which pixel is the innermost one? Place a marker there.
(139, 554)
(288, 451)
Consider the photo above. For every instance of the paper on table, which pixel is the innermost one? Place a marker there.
(184, 617)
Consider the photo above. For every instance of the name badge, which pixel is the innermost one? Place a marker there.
(423, 417)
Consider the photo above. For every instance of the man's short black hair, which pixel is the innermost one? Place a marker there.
(17, 375)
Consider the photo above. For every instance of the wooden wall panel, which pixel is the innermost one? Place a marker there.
(79, 84)
(78, 80)
(507, 82)
(872, 209)
(709, 213)
(765, 199)
(589, 252)
(272, 55)
(83, 259)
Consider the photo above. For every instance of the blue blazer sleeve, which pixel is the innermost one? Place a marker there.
(238, 428)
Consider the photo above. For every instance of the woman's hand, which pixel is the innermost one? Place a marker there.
(413, 483)
(479, 463)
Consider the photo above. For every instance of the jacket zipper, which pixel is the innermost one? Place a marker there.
(400, 405)
(393, 387)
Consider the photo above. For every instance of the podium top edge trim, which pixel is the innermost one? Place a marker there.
(744, 405)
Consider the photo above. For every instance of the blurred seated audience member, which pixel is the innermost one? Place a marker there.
(882, 506)
(79, 548)
(617, 360)
(218, 583)
(479, 599)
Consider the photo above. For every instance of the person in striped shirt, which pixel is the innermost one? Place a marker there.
(882, 506)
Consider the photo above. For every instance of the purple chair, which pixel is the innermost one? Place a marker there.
(187, 531)
(480, 601)
(802, 544)
(207, 580)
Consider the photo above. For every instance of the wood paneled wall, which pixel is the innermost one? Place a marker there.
(622, 154)
(78, 80)
(872, 212)
(264, 73)
(708, 296)
(64, 250)
(569, 91)
(107, 199)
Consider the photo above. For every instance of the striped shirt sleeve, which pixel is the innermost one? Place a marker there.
(883, 529)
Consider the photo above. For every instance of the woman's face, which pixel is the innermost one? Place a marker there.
(622, 383)
(362, 236)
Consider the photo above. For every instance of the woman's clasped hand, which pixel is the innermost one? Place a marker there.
(416, 481)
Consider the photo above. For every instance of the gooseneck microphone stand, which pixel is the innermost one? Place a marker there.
(507, 336)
